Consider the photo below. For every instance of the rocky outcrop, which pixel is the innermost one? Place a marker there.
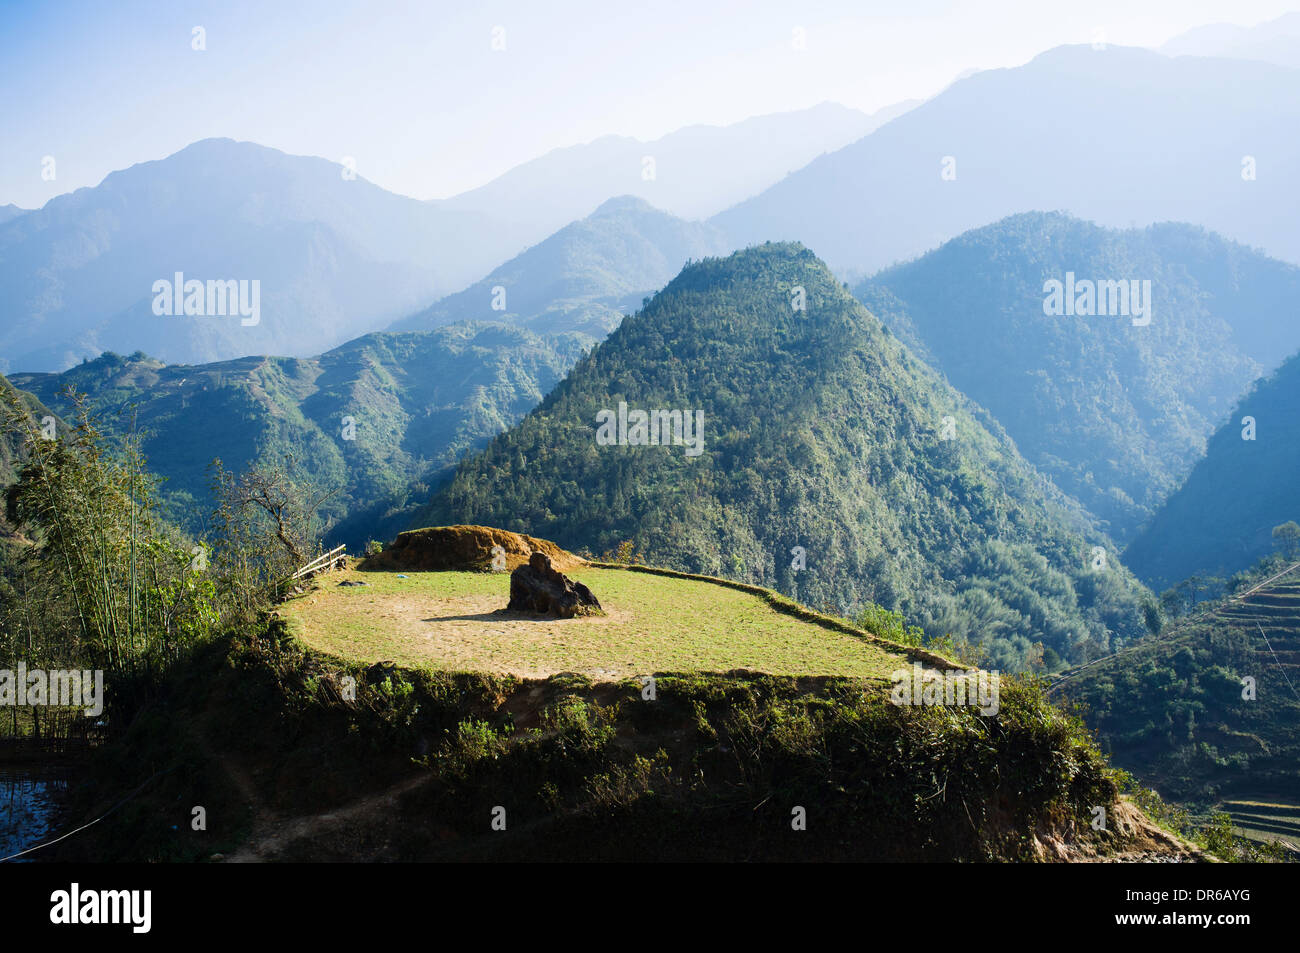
(540, 589)
(465, 549)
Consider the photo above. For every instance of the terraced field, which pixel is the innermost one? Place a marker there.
(1209, 712)
(1265, 820)
(1274, 613)
(454, 621)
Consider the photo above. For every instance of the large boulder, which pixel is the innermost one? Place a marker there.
(540, 589)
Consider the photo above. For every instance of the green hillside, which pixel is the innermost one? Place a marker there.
(436, 386)
(1171, 709)
(1221, 519)
(820, 432)
(10, 442)
(1115, 413)
(417, 402)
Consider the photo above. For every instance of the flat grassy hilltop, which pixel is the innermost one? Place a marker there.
(765, 715)
(450, 621)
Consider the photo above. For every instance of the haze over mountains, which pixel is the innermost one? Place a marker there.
(1274, 41)
(1118, 136)
(1005, 382)
(1115, 412)
(583, 278)
(336, 256)
(695, 171)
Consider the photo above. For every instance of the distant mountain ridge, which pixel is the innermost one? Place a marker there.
(691, 173)
(1274, 41)
(583, 278)
(420, 396)
(1075, 130)
(334, 258)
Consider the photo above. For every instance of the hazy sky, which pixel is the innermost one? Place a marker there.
(416, 94)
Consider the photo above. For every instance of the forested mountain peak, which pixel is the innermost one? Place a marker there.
(757, 422)
(1115, 407)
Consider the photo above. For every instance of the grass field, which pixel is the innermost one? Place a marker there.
(448, 621)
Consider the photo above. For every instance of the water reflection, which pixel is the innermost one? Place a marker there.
(30, 797)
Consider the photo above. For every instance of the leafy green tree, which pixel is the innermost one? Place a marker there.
(1287, 538)
(266, 524)
(1152, 617)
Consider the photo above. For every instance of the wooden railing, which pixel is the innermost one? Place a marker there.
(331, 560)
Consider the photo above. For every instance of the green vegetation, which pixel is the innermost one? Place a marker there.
(1214, 831)
(1265, 821)
(820, 432)
(416, 402)
(10, 442)
(711, 770)
(105, 584)
(1224, 516)
(1176, 711)
(1114, 414)
(92, 577)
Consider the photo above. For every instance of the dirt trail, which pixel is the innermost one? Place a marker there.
(272, 833)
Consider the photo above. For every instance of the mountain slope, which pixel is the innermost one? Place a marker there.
(11, 443)
(698, 170)
(11, 458)
(1220, 520)
(1075, 129)
(583, 278)
(417, 402)
(1115, 413)
(335, 258)
(819, 432)
(1172, 711)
